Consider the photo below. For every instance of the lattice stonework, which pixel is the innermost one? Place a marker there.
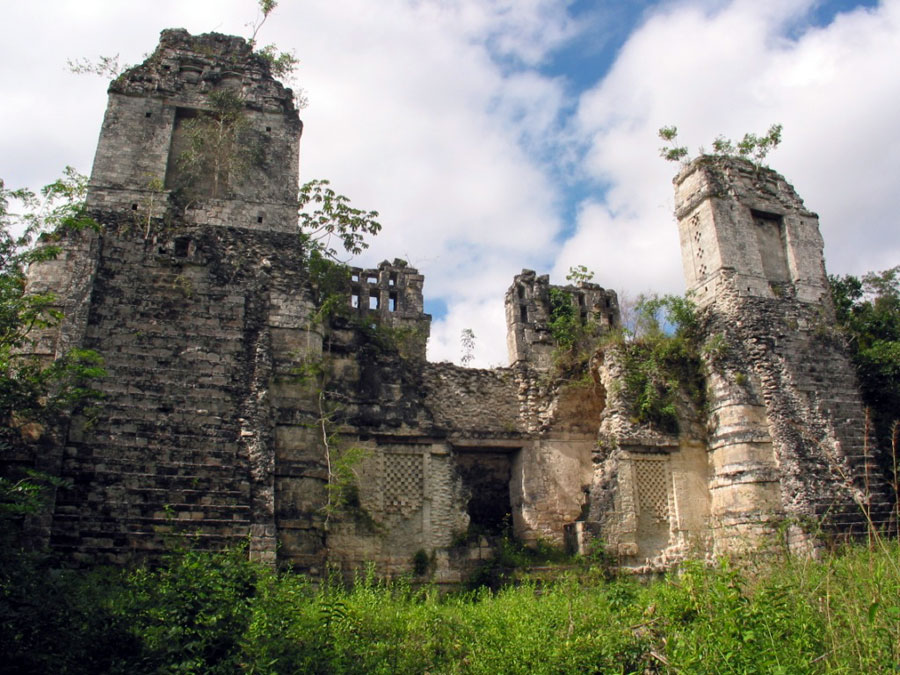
(651, 476)
(403, 490)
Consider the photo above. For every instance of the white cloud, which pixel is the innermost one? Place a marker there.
(730, 68)
(434, 114)
(410, 114)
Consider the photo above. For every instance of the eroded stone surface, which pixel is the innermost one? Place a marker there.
(212, 422)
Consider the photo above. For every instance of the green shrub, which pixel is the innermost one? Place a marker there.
(217, 612)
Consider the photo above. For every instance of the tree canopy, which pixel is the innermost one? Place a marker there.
(868, 310)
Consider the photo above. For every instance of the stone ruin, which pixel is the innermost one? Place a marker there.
(196, 294)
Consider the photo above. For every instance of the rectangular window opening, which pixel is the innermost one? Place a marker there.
(374, 302)
(371, 280)
(182, 247)
(392, 302)
(523, 313)
(770, 239)
(354, 276)
(392, 280)
(354, 299)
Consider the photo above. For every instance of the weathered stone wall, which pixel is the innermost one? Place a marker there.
(181, 439)
(650, 494)
(230, 405)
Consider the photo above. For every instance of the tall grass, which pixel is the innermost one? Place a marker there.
(218, 613)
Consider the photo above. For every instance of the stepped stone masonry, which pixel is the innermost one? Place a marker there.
(225, 388)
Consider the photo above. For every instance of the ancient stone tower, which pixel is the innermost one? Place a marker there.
(787, 433)
(194, 294)
(778, 452)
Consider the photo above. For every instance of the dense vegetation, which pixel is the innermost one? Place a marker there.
(868, 310)
(219, 613)
(661, 355)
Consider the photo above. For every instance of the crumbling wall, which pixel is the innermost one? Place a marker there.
(529, 313)
(181, 440)
(650, 492)
(392, 295)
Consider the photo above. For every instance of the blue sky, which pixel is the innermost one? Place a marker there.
(496, 135)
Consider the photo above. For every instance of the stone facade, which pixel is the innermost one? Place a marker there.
(780, 453)
(230, 403)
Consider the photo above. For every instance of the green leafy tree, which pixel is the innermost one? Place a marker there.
(34, 393)
(671, 152)
(752, 147)
(327, 221)
(868, 310)
(579, 274)
(282, 64)
(661, 355)
(219, 148)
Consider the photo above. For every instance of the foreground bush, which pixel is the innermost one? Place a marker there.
(218, 613)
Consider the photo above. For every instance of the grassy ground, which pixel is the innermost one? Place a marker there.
(205, 613)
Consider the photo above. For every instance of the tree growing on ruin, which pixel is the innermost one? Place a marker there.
(219, 147)
(467, 345)
(751, 147)
(579, 274)
(329, 223)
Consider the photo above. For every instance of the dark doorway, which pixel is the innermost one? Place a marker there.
(486, 475)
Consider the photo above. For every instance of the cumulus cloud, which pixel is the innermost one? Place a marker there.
(421, 110)
(440, 116)
(729, 68)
